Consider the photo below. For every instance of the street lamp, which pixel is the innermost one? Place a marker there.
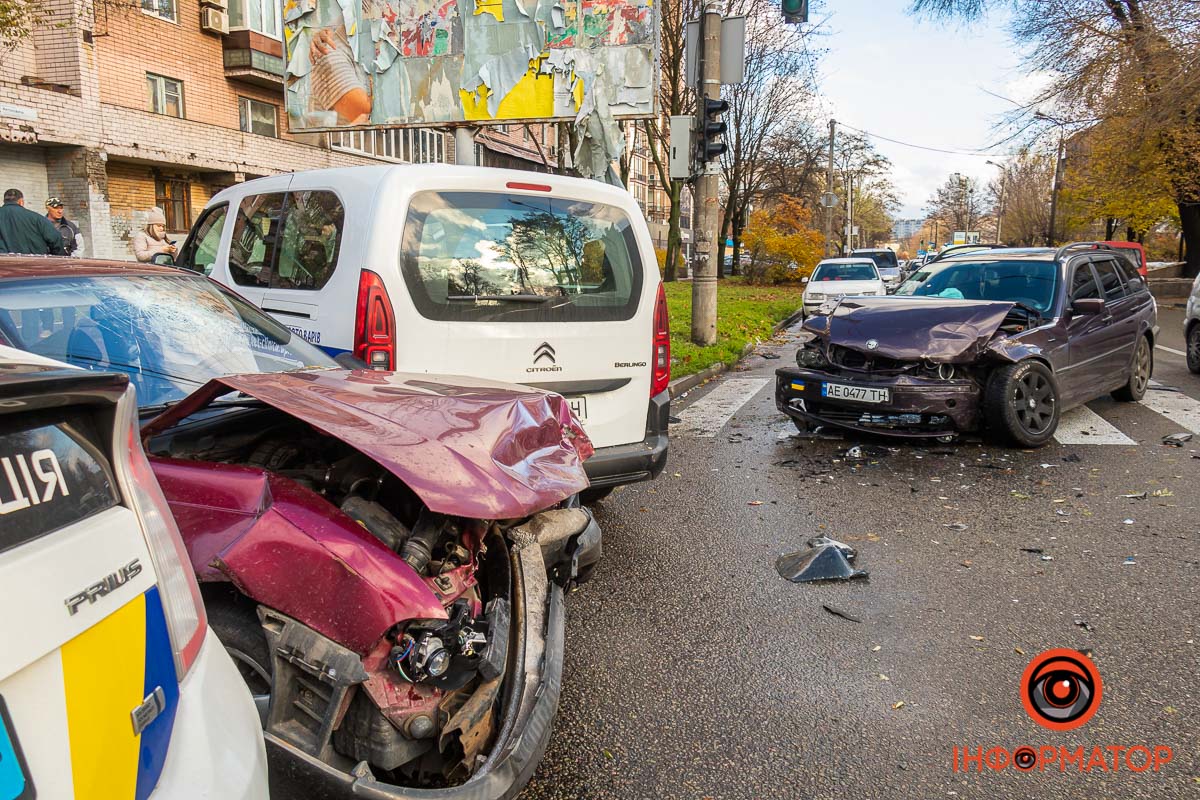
(1000, 210)
(1057, 174)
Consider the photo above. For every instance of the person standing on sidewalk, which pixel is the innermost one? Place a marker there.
(71, 237)
(152, 240)
(27, 232)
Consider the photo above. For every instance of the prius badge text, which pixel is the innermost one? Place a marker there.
(104, 586)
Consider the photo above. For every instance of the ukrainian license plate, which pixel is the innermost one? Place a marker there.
(861, 394)
(15, 783)
(578, 407)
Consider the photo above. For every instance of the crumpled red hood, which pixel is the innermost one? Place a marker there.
(913, 329)
(467, 447)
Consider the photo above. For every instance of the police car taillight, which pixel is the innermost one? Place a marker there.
(177, 587)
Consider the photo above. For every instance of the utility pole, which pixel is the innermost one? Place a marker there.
(849, 213)
(829, 192)
(704, 279)
(1000, 209)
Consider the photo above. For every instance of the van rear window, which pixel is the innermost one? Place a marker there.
(488, 256)
(52, 474)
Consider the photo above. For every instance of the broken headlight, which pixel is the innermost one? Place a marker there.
(811, 357)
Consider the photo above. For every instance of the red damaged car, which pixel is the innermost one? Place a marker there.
(384, 555)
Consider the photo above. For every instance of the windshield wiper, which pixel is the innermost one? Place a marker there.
(501, 298)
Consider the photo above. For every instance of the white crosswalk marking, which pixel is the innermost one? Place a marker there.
(1184, 411)
(1084, 426)
(1170, 350)
(705, 417)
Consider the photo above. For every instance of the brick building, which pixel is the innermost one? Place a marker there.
(119, 105)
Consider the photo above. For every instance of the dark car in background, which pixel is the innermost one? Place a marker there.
(1001, 341)
(384, 555)
(886, 262)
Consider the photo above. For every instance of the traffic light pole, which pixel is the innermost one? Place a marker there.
(704, 278)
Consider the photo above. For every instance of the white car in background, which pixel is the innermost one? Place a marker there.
(836, 278)
(112, 684)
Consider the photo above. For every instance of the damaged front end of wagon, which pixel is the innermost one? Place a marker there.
(385, 556)
(909, 367)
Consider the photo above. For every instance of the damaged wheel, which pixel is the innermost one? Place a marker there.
(1139, 373)
(1021, 403)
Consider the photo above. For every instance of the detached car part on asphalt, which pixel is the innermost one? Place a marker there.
(384, 555)
(1002, 341)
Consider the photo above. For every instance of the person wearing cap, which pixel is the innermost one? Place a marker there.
(152, 240)
(71, 237)
(25, 231)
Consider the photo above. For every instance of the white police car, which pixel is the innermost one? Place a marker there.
(112, 686)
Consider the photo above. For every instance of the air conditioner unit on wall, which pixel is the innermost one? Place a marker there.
(214, 21)
(219, 5)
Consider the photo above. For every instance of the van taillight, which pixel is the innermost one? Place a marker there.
(661, 369)
(374, 323)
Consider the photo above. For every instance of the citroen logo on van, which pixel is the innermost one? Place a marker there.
(544, 350)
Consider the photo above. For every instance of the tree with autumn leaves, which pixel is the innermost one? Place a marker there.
(781, 243)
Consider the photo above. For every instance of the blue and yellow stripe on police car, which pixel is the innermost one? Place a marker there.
(108, 671)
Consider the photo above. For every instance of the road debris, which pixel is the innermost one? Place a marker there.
(977, 638)
(897, 705)
(1176, 439)
(956, 526)
(1127, 521)
(1129, 561)
(1162, 493)
(876, 648)
(824, 541)
(1083, 623)
(1072, 458)
(826, 562)
(1018, 651)
(1141, 496)
(862, 452)
(770, 356)
(1035, 550)
(837, 612)
(755, 503)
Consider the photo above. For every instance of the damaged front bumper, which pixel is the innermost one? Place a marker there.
(547, 552)
(916, 406)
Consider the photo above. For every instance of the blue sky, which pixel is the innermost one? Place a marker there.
(920, 82)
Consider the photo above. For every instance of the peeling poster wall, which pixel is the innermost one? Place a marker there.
(354, 63)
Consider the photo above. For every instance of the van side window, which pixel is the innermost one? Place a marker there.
(1110, 281)
(202, 246)
(252, 251)
(312, 238)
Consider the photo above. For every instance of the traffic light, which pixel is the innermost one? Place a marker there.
(712, 130)
(794, 11)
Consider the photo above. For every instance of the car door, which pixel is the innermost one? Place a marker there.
(251, 257)
(203, 246)
(1122, 329)
(309, 246)
(1086, 336)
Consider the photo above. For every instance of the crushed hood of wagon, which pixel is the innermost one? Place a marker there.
(465, 446)
(916, 328)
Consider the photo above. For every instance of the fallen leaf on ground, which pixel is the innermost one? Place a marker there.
(755, 503)
(898, 704)
(977, 638)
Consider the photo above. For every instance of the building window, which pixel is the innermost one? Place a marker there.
(261, 16)
(257, 117)
(166, 95)
(404, 145)
(163, 9)
(174, 198)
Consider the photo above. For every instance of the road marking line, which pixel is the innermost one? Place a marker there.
(1184, 411)
(1170, 350)
(705, 417)
(1074, 423)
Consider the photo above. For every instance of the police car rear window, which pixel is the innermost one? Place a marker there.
(519, 258)
(52, 474)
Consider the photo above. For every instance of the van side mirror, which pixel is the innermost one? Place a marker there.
(1087, 306)
(163, 259)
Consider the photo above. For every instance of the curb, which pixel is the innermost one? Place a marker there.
(684, 385)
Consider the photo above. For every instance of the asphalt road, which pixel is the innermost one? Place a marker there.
(694, 670)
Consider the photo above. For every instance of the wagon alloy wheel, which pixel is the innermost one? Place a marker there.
(1033, 402)
(1193, 348)
(1020, 404)
(1140, 370)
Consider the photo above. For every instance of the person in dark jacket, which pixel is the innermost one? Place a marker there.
(72, 238)
(25, 231)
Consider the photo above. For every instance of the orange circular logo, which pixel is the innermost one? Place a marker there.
(1061, 689)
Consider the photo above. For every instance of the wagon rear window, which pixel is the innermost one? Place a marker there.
(519, 258)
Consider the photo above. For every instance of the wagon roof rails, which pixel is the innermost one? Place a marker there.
(1066, 248)
(963, 247)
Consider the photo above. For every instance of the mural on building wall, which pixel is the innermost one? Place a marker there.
(353, 63)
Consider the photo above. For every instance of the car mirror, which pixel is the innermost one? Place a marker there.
(1088, 305)
(804, 279)
(163, 259)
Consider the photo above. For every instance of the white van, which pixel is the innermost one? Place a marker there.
(537, 279)
(112, 684)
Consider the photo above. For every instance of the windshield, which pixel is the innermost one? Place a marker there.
(1032, 283)
(169, 333)
(519, 258)
(845, 272)
(882, 258)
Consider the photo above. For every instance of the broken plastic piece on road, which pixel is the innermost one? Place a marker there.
(837, 612)
(864, 451)
(1047, 558)
(956, 526)
(755, 503)
(977, 638)
(1141, 496)
(1176, 439)
(1082, 623)
(824, 541)
(817, 564)
(1127, 522)
(1129, 561)
(876, 648)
